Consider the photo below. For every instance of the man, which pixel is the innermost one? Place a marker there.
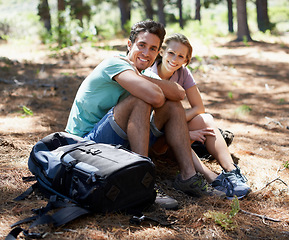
(114, 105)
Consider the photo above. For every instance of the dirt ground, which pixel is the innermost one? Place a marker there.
(244, 86)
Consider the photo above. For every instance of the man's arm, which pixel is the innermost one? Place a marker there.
(139, 87)
(172, 90)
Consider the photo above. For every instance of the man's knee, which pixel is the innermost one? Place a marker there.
(173, 107)
(171, 110)
(131, 108)
(131, 103)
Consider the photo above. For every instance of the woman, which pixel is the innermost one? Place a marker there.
(171, 66)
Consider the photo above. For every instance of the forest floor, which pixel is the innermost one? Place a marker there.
(244, 86)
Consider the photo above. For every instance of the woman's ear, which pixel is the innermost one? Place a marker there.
(188, 61)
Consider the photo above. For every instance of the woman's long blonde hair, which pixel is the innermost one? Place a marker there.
(178, 37)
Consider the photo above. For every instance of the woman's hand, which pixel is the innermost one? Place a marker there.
(201, 134)
(131, 63)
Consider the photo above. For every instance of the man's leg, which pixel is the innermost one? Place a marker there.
(133, 115)
(171, 118)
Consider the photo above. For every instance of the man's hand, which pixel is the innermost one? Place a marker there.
(201, 135)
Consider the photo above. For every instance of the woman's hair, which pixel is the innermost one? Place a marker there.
(178, 37)
(148, 26)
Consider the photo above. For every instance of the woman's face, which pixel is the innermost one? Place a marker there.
(174, 56)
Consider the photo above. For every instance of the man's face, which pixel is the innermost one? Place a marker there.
(144, 50)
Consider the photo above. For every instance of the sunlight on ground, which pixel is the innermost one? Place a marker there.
(21, 125)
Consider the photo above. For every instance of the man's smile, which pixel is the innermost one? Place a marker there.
(143, 60)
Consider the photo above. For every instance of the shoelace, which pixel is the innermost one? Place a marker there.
(160, 192)
(201, 182)
(227, 183)
(240, 175)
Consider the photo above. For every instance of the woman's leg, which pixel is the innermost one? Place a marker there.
(203, 169)
(215, 144)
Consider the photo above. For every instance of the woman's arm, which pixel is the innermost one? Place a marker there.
(196, 102)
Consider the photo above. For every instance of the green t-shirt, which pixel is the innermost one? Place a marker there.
(97, 94)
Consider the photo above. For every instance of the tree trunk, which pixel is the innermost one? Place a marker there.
(148, 9)
(77, 10)
(230, 16)
(60, 9)
(262, 15)
(181, 21)
(125, 12)
(161, 13)
(243, 29)
(44, 13)
(198, 10)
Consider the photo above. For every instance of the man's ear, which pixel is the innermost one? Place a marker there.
(161, 52)
(129, 44)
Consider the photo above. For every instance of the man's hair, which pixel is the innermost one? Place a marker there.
(177, 37)
(148, 26)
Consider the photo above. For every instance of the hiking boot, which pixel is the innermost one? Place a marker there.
(165, 201)
(196, 186)
(232, 183)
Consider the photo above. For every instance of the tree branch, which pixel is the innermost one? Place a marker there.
(264, 217)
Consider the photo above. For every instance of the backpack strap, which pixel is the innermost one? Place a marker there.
(138, 218)
(26, 193)
(14, 233)
(67, 213)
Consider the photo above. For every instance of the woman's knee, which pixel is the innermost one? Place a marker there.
(208, 119)
(204, 120)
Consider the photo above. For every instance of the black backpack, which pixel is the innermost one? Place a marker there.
(81, 176)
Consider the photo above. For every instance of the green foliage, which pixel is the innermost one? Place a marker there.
(6, 60)
(208, 2)
(243, 110)
(215, 57)
(71, 31)
(198, 58)
(230, 95)
(281, 101)
(221, 219)
(26, 111)
(127, 27)
(286, 164)
(98, 23)
(4, 29)
(279, 13)
(245, 41)
(235, 207)
(225, 220)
